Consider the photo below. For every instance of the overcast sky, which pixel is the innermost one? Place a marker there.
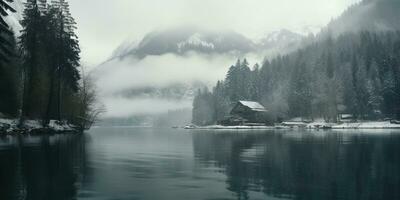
(104, 24)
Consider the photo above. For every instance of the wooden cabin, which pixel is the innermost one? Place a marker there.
(346, 118)
(246, 113)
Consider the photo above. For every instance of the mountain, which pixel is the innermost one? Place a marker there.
(368, 15)
(280, 42)
(185, 39)
(282, 38)
(14, 18)
(168, 67)
(182, 40)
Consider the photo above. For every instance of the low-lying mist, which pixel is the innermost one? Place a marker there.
(119, 79)
(121, 107)
(118, 75)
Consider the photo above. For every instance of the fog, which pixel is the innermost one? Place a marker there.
(118, 77)
(160, 71)
(109, 24)
(103, 25)
(119, 107)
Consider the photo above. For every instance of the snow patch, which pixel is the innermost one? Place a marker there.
(196, 40)
(11, 126)
(60, 126)
(354, 125)
(13, 19)
(312, 125)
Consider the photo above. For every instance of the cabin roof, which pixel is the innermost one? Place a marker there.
(346, 116)
(255, 106)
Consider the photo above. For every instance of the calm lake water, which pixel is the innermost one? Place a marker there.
(151, 164)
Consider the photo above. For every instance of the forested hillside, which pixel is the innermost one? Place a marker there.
(368, 15)
(356, 74)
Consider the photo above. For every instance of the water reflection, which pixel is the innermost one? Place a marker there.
(41, 167)
(148, 164)
(319, 165)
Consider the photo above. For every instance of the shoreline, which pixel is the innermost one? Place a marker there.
(34, 127)
(310, 126)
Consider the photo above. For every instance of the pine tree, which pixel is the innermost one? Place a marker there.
(30, 43)
(330, 88)
(374, 89)
(330, 70)
(265, 83)
(9, 81)
(8, 67)
(254, 78)
(67, 56)
(360, 89)
(300, 94)
(349, 96)
(390, 94)
(244, 85)
(232, 81)
(222, 103)
(5, 33)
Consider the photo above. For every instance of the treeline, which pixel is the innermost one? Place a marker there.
(356, 74)
(40, 75)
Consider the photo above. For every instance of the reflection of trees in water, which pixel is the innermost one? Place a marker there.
(310, 167)
(45, 167)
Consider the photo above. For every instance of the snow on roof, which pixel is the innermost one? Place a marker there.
(253, 105)
(296, 119)
(346, 116)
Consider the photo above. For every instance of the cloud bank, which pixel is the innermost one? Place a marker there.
(117, 77)
(158, 71)
(104, 24)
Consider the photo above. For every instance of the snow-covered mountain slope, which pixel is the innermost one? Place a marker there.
(186, 39)
(283, 36)
(371, 15)
(281, 42)
(14, 18)
(196, 41)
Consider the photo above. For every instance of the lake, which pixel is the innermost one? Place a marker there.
(168, 164)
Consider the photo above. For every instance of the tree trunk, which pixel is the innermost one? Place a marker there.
(59, 95)
(50, 99)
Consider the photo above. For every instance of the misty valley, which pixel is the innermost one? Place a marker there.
(208, 100)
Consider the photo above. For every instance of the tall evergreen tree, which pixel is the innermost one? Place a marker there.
(232, 81)
(360, 89)
(245, 81)
(66, 58)
(50, 52)
(254, 79)
(5, 32)
(8, 65)
(300, 95)
(31, 44)
(222, 104)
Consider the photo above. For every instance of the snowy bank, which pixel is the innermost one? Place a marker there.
(216, 127)
(367, 125)
(303, 125)
(10, 126)
(354, 125)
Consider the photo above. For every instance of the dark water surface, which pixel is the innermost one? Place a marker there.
(151, 164)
